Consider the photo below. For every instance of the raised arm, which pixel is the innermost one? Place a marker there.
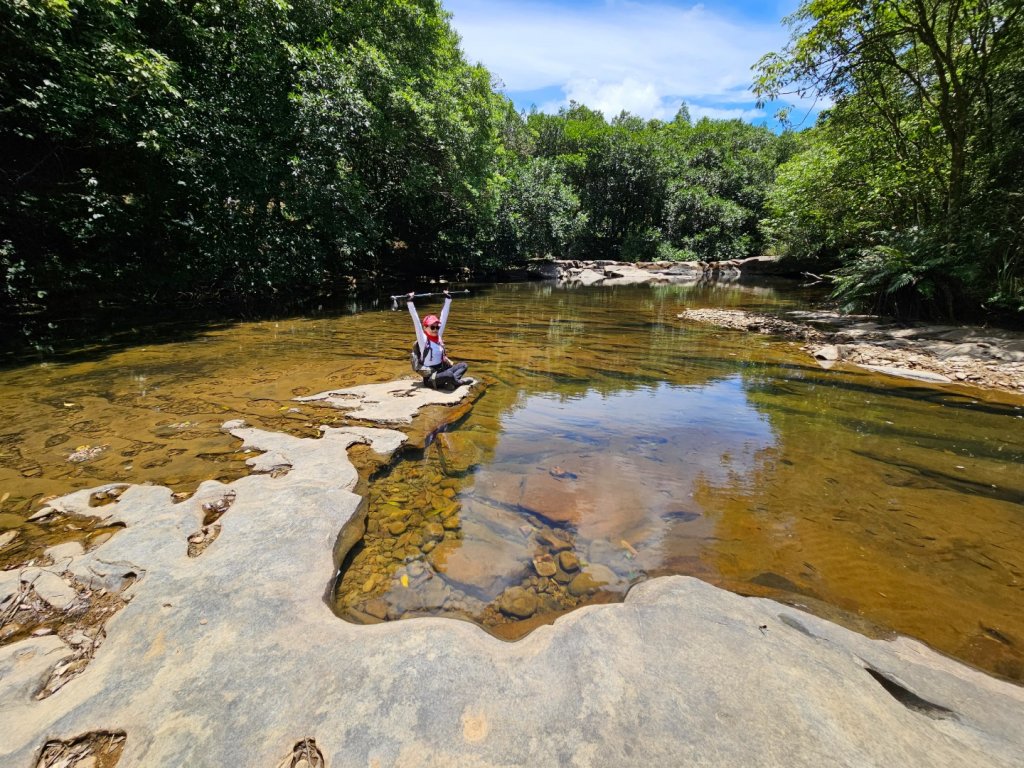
(421, 337)
(444, 313)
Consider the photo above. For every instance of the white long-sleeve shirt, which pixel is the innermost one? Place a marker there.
(433, 351)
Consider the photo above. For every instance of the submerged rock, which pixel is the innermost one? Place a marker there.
(544, 565)
(518, 603)
(568, 562)
(593, 578)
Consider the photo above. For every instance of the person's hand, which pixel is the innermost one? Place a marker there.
(446, 294)
(411, 295)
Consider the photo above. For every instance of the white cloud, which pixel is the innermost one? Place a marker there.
(630, 95)
(717, 113)
(639, 56)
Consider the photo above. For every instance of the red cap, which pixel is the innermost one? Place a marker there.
(431, 320)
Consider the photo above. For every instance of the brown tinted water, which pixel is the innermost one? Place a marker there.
(611, 443)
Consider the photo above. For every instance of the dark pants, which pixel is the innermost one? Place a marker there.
(446, 375)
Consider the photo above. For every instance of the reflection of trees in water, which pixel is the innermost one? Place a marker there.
(885, 503)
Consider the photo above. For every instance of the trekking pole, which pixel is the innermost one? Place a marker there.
(401, 296)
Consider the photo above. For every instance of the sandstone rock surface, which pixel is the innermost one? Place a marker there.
(604, 272)
(936, 354)
(394, 402)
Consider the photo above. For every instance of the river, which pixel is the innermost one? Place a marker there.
(608, 436)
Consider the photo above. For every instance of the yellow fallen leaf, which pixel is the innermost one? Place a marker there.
(69, 405)
(5, 497)
(82, 448)
(405, 580)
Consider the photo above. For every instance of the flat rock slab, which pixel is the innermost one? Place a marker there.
(604, 272)
(621, 273)
(391, 402)
(232, 657)
(909, 373)
(930, 353)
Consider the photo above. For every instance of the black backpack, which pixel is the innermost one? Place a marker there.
(416, 358)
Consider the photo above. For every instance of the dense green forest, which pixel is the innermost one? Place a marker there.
(261, 152)
(910, 186)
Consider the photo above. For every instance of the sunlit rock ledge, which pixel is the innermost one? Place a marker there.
(603, 272)
(233, 657)
(389, 402)
(938, 354)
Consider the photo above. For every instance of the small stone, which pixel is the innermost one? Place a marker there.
(202, 621)
(378, 608)
(518, 603)
(544, 565)
(42, 631)
(550, 604)
(397, 527)
(583, 583)
(41, 513)
(101, 538)
(553, 540)
(54, 590)
(568, 562)
(435, 531)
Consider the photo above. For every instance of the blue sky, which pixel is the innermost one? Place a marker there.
(644, 56)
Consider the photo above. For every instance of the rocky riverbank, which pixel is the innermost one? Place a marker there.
(603, 272)
(228, 654)
(941, 354)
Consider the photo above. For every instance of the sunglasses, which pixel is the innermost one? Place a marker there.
(434, 327)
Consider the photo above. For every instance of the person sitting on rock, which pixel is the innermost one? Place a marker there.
(433, 364)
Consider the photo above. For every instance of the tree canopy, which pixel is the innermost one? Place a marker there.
(916, 195)
(264, 151)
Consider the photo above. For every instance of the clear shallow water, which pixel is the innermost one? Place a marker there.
(611, 440)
